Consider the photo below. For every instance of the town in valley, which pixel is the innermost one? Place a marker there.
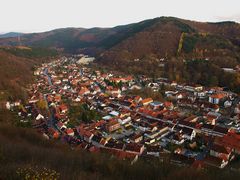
(102, 111)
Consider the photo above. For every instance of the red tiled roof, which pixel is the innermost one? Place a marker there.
(218, 96)
(147, 100)
(232, 140)
(168, 104)
(63, 107)
(94, 149)
(69, 131)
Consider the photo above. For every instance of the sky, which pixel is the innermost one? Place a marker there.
(43, 15)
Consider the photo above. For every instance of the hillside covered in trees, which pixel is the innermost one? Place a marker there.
(24, 153)
(156, 38)
(150, 44)
(16, 71)
(16, 68)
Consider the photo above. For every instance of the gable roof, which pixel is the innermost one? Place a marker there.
(219, 149)
(147, 100)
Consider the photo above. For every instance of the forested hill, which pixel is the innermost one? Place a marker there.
(172, 37)
(10, 34)
(159, 37)
(148, 43)
(16, 68)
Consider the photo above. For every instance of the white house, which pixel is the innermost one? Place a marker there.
(8, 106)
(39, 116)
(124, 121)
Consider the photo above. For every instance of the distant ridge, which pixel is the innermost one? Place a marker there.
(10, 35)
(162, 37)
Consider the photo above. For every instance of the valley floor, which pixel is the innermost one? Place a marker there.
(170, 125)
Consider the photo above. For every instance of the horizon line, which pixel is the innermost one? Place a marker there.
(102, 27)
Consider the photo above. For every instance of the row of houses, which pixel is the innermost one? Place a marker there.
(132, 126)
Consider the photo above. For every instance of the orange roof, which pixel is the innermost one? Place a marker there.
(88, 134)
(211, 117)
(120, 154)
(94, 149)
(115, 79)
(112, 122)
(167, 103)
(56, 135)
(137, 98)
(218, 96)
(74, 82)
(69, 131)
(100, 123)
(63, 107)
(232, 140)
(49, 98)
(57, 97)
(109, 88)
(129, 78)
(163, 111)
(147, 100)
(83, 90)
